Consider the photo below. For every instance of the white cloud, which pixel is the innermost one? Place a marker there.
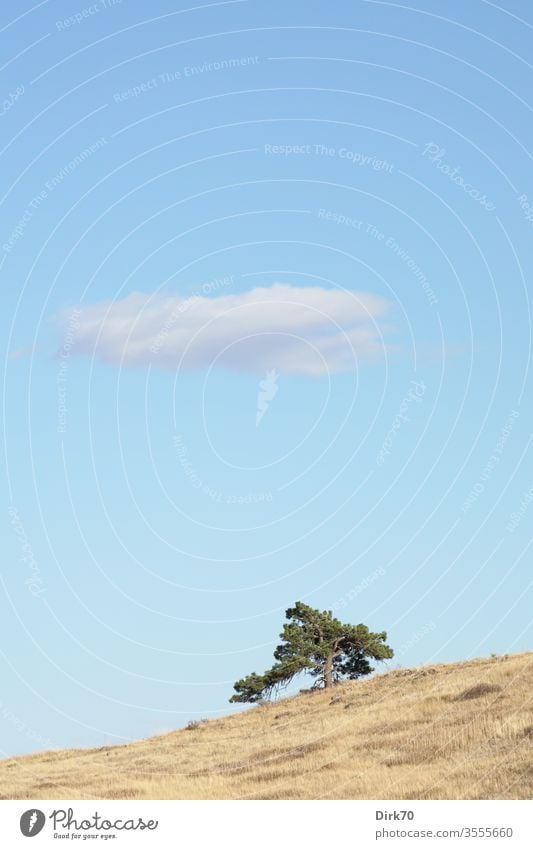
(296, 330)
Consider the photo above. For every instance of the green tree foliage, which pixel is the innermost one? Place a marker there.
(314, 642)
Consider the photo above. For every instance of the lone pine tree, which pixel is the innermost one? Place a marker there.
(314, 642)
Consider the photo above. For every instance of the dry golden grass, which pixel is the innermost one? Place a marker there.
(453, 731)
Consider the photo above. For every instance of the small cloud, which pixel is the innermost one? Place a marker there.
(294, 330)
(21, 353)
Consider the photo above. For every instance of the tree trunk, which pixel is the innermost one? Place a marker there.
(328, 672)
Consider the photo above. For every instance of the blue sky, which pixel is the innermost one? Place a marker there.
(265, 312)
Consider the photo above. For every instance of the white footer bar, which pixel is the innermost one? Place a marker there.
(268, 824)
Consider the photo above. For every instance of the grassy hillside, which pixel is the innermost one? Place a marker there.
(453, 731)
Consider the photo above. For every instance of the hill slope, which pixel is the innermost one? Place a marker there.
(453, 731)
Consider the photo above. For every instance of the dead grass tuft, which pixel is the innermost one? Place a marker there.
(477, 691)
